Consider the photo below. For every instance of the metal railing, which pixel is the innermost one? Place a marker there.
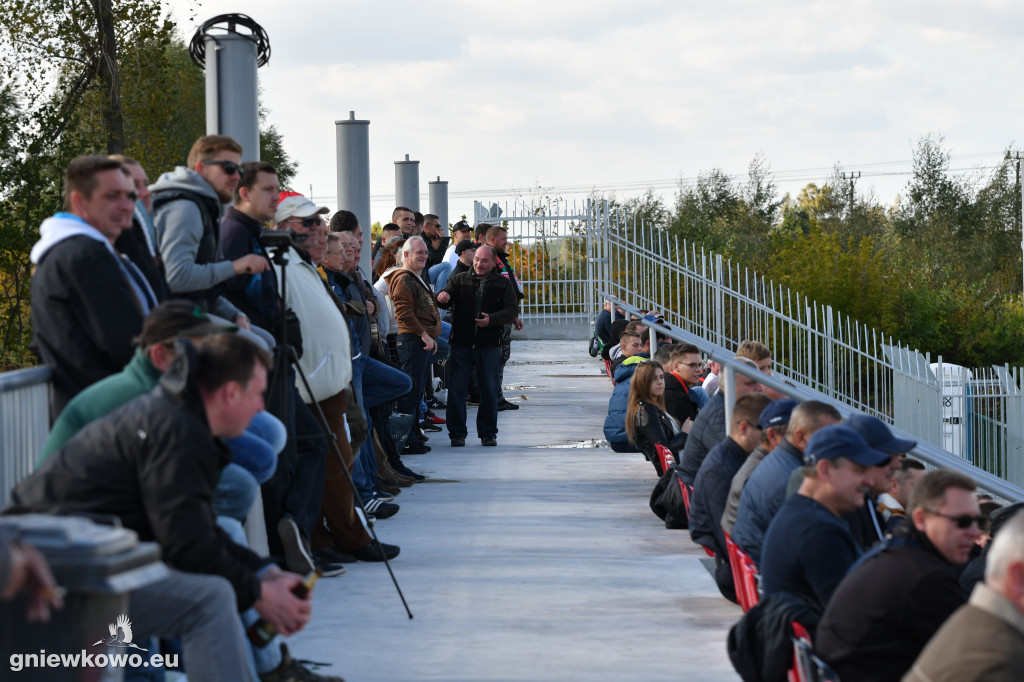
(24, 423)
(924, 451)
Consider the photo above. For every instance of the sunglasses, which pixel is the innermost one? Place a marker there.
(310, 221)
(962, 522)
(230, 167)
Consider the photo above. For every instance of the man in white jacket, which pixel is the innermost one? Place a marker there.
(327, 363)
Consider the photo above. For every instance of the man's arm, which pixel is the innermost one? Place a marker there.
(509, 306)
(176, 489)
(179, 228)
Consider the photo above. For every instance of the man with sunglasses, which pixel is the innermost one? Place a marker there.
(891, 603)
(187, 204)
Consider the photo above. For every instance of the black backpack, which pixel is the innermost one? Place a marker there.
(667, 500)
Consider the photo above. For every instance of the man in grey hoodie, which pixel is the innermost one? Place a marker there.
(187, 203)
(87, 301)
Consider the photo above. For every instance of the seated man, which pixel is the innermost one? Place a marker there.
(893, 503)
(773, 420)
(866, 523)
(766, 489)
(712, 484)
(154, 463)
(709, 428)
(808, 549)
(887, 608)
(984, 639)
(683, 394)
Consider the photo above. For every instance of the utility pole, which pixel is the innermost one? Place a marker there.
(1017, 201)
(853, 179)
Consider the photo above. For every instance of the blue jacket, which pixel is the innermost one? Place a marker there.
(708, 430)
(762, 496)
(710, 491)
(615, 422)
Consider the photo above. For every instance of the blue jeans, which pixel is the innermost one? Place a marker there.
(257, 449)
(416, 364)
(374, 383)
(487, 362)
(438, 275)
(235, 492)
(266, 658)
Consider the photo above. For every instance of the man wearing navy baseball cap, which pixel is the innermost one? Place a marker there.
(808, 548)
(867, 525)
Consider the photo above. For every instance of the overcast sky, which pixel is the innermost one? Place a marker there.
(503, 98)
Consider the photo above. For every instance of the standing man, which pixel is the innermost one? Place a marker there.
(497, 238)
(188, 203)
(87, 301)
(437, 242)
(482, 303)
(461, 231)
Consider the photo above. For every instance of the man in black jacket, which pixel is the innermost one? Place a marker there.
(482, 304)
(87, 301)
(154, 463)
(887, 608)
(497, 238)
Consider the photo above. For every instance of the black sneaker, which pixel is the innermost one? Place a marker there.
(297, 556)
(331, 555)
(506, 405)
(408, 473)
(379, 508)
(415, 449)
(489, 441)
(376, 551)
(329, 568)
(458, 442)
(292, 670)
(429, 426)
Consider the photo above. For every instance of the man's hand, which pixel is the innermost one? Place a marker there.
(517, 324)
(371, 309)
(280, 607)
(443, 297)
(687, 425)
(31, 574)
(242, 321)
(428, 343)
(250, 264)
(483, 320)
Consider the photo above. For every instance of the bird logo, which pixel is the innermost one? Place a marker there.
(122, 639)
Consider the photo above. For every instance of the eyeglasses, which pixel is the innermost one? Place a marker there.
(308, 222)
(752, 425)
(692, 365)
(229, 167)
(334, 253)
(962, 522)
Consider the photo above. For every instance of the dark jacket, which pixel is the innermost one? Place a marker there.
(678, 401)
(470, 296)
(132, 243)
(506, 271)
(867, 526)
(434, 256)
(154, 464)
(255, 295)
(708, 430)
(653, 427)
(84, 311)
(349, 293)
(887, 608)
(807, 551)
(415, 307)
(710, 490)
(762, 496)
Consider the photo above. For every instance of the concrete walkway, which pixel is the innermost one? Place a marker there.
(526, 561)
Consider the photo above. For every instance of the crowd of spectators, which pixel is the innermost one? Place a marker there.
(213, 341)
(891, 570)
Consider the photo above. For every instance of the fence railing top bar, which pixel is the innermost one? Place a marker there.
(926, 452)
(23, 378)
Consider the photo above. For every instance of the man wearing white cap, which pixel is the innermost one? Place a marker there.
(327, 363)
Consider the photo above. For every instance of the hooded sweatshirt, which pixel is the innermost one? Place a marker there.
(187, 215)
(87, 305)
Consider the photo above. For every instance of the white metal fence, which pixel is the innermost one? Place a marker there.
(567, 253)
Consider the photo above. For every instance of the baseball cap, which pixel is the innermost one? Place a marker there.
(464, 246)
(461, 226)
(179, 318)
(878, 435)
(777, 413)
(836, 440)
(294, 205)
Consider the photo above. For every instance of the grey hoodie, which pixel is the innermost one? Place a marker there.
(179, 231)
